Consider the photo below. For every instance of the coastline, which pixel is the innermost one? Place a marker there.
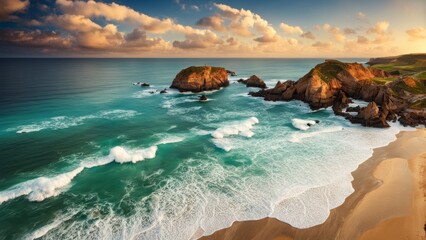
(387, 202)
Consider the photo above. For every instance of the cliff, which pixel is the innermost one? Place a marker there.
(333, 84)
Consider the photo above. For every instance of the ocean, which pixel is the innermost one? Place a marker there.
(85, 154)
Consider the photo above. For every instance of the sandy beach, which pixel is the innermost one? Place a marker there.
(388, 201)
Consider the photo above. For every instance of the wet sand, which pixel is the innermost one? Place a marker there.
(388, 201)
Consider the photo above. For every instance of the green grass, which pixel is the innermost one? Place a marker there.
(418, 89)
(421, 75)
(382, 81)
(197, 69)
(405, 64)
(421, 104)
(329, 70)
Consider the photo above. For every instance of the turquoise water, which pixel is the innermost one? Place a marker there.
(88, 155)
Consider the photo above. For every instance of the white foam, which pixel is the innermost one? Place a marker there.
(40, 188)
(170, 139)
(122, 155)
(242, 128)
(61, 122)
(297, 137)
(44, 187)
(302, 124)
(45, 229)
(144, 93)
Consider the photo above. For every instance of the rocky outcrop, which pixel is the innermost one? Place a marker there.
(199, 79)
(333, 84)
(232, 73)
(253, 81)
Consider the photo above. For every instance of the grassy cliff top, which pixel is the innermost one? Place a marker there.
(198, 69)
(329, 69)
(410, 65)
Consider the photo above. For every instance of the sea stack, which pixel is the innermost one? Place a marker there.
(199, 79)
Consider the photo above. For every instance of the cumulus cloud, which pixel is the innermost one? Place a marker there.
(8, 7)
(213, 22)
(291, 29)
(308, 35)
(416, 33)
(115, 12)
(73, 23)
(337, 34)
(379, 27)
(380, 30)
(34, 39)
(139, 39)
(245, 23)
(202, 39)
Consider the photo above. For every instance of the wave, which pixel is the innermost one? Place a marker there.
(41, 188)
(37, 234)
(62, 122)
(302, 124)
(242, 128)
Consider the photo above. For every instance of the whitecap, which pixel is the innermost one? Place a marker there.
(40, 188)
(302, 124)
(242, 128)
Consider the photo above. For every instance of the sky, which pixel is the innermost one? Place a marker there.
(190, 28)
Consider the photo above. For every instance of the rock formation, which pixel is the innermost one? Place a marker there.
(333, 84)
(253, 81)
(199, 79)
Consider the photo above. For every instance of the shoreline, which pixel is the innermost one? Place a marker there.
(387, 202)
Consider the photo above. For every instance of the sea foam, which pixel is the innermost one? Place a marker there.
(242, 128)
(302, 124)
(40, 188)
(61, 122)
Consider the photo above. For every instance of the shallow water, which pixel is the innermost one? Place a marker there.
(88, 155)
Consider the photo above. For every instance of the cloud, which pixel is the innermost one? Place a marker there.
(416, 33)
(291, 29)
(34, 39)
(349, 31)
(213, 22)
(308, 35)
(203, 39)
(322, 44)
(181, 5)
(379, 28)
(195, 8)
(8, 7)
(362, 40)
(361, 17)
(335, 32)
(139, 39)
(232, 41)
(245, 23)
(72, 23)
(115, 12)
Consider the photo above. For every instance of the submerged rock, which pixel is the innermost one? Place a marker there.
(145, 85)
(199, 79)
(232, 73)
(202, 98)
